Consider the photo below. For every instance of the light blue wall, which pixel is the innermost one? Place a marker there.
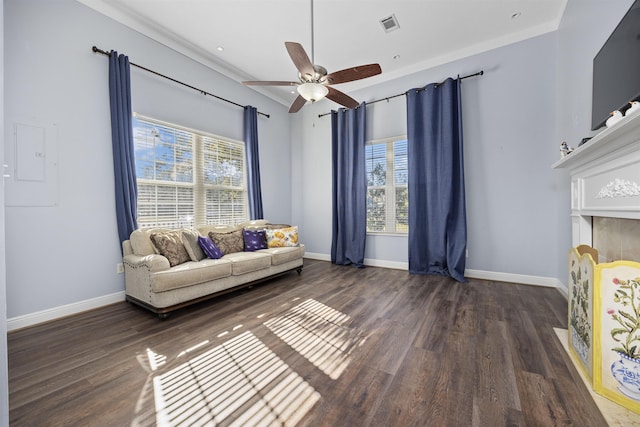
(68, 253)
(509, 139)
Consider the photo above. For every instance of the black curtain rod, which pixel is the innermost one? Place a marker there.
(97, 50)
(479, 73)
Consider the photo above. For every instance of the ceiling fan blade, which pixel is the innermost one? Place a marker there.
(300, 58)
(354, 73)
(269, 83)
(297, 104)
(341, 98)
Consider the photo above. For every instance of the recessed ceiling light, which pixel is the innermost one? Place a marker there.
(516, 15)
(220, 48)
(396, 56)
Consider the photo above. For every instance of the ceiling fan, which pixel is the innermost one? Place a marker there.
(314, 81)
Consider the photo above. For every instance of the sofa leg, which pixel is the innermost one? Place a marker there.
(299, 270)
(163, 316)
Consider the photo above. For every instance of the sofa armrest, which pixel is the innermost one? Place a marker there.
(138, 270)
(154, 263)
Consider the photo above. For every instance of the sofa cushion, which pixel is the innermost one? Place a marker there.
(190, 242)
(246, 262)
(284, 254)
(228, 242)
(209, 248)
(169, 244)
(281, 237)
(254, 240)
(190, 273)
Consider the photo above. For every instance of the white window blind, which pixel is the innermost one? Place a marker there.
(187, 177)
(224, 181)
(387, 177)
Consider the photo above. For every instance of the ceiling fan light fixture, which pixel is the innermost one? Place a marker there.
(312, 91)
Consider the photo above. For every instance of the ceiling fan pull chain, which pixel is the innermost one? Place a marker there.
(313, 61)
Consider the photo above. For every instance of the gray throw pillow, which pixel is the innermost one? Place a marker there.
(190, 242)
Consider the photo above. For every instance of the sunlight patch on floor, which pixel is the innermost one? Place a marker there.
(319, 333)
(241, 381)
(155, 360)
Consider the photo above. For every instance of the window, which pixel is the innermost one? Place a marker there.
(387, 194)
(186, 177)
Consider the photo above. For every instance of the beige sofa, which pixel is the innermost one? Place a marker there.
(151, 282)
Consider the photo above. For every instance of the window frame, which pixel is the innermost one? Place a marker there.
(390, 187)
(200, 188)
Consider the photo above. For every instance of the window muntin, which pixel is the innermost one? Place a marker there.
(187, 177)
(387, 178)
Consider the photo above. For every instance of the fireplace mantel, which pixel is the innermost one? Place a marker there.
(612, 143)
(605, 177)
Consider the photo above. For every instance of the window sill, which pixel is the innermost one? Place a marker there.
(382, 233)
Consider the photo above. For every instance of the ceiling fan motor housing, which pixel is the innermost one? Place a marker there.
(319, 75)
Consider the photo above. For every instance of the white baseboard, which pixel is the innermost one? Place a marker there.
(564, 291)
(62, 311)
(387, 264)
(319, 257)
(371, 262)
(549, 282)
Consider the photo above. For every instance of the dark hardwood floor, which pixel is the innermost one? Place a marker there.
(335, 346)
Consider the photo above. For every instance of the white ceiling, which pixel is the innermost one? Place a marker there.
(347, 33)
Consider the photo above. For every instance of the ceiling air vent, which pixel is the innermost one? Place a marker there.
(390, 23)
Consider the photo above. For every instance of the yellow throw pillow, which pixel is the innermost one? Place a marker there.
(281, 237)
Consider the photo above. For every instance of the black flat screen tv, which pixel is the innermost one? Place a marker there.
(616, 69)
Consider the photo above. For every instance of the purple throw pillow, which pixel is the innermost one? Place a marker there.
(254, 240)
(209, 248)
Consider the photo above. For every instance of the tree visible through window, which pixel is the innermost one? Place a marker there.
(187, 178)
(387, 195)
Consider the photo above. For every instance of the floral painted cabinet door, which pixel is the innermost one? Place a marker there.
(580, 324)
(617, 333)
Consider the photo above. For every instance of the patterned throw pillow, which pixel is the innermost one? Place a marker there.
(281, 237)
(254, 240)
(228, 242)
(209, 248)
(169, 244)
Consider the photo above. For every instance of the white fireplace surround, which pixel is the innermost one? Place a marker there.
(605, 177)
